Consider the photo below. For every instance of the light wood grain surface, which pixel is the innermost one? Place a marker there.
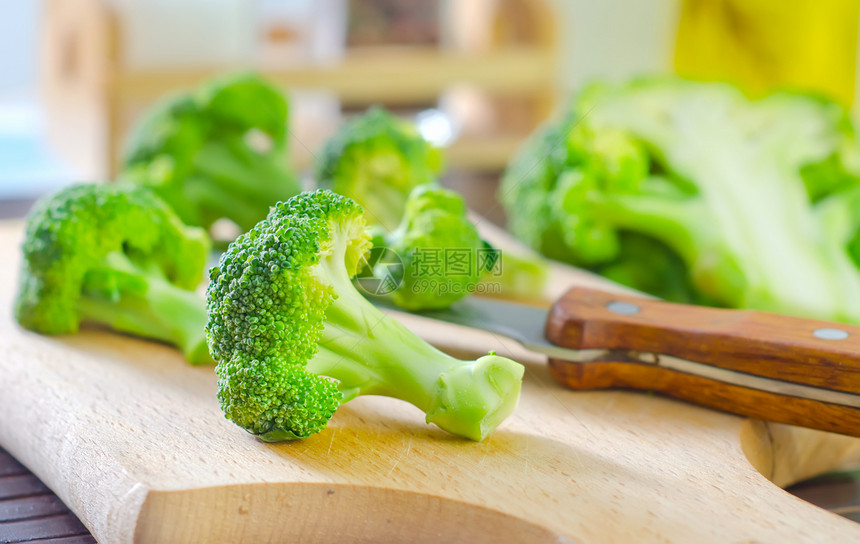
(132, 439)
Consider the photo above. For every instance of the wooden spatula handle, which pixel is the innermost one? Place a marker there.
(765, 351)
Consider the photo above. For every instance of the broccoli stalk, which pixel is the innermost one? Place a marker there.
(139, 300)
(727, 185)
(467, 398)
(294, 340)
(118, 257)
(210, 156)
(514, 274)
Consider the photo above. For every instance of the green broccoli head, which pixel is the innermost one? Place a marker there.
(116, 256)
(217, 152)
(440, 249)
(559, 166)
(294, 339)
(377, 159)
(750, 200)
(444, 258)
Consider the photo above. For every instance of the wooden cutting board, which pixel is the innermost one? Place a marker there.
(133, 441)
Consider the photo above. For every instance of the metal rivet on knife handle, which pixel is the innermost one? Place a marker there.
(830, 334)
(623, 308)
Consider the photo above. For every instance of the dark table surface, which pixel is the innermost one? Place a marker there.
(30, 512)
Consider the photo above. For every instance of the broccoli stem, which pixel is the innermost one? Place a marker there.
(239, 184)
(154, 308)
(383, 204)
(776, 258)
(838, 215)
(220, 202)
(749, 236)
(519, 277)
(265, 177)
(370, 353)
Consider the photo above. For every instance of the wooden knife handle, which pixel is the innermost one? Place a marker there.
(760, 350)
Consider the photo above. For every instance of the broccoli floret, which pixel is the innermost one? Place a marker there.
(115, 256)
(444, 258)
(439, 247)
(377, 159)
(293, 338)
(217, 152)
(750, 199)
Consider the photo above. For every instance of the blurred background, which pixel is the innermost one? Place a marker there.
(477, 76)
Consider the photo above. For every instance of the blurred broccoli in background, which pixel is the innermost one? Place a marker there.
(116, 256)
(377, 159)
(384, 164)
(217, 152)
(692, 192)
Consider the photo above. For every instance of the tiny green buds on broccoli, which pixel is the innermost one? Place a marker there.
(294, 339)
(117, 256)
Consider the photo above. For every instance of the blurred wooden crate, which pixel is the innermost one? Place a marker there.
(92, 94)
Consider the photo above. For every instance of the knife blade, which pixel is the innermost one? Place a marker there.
(756, 364)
